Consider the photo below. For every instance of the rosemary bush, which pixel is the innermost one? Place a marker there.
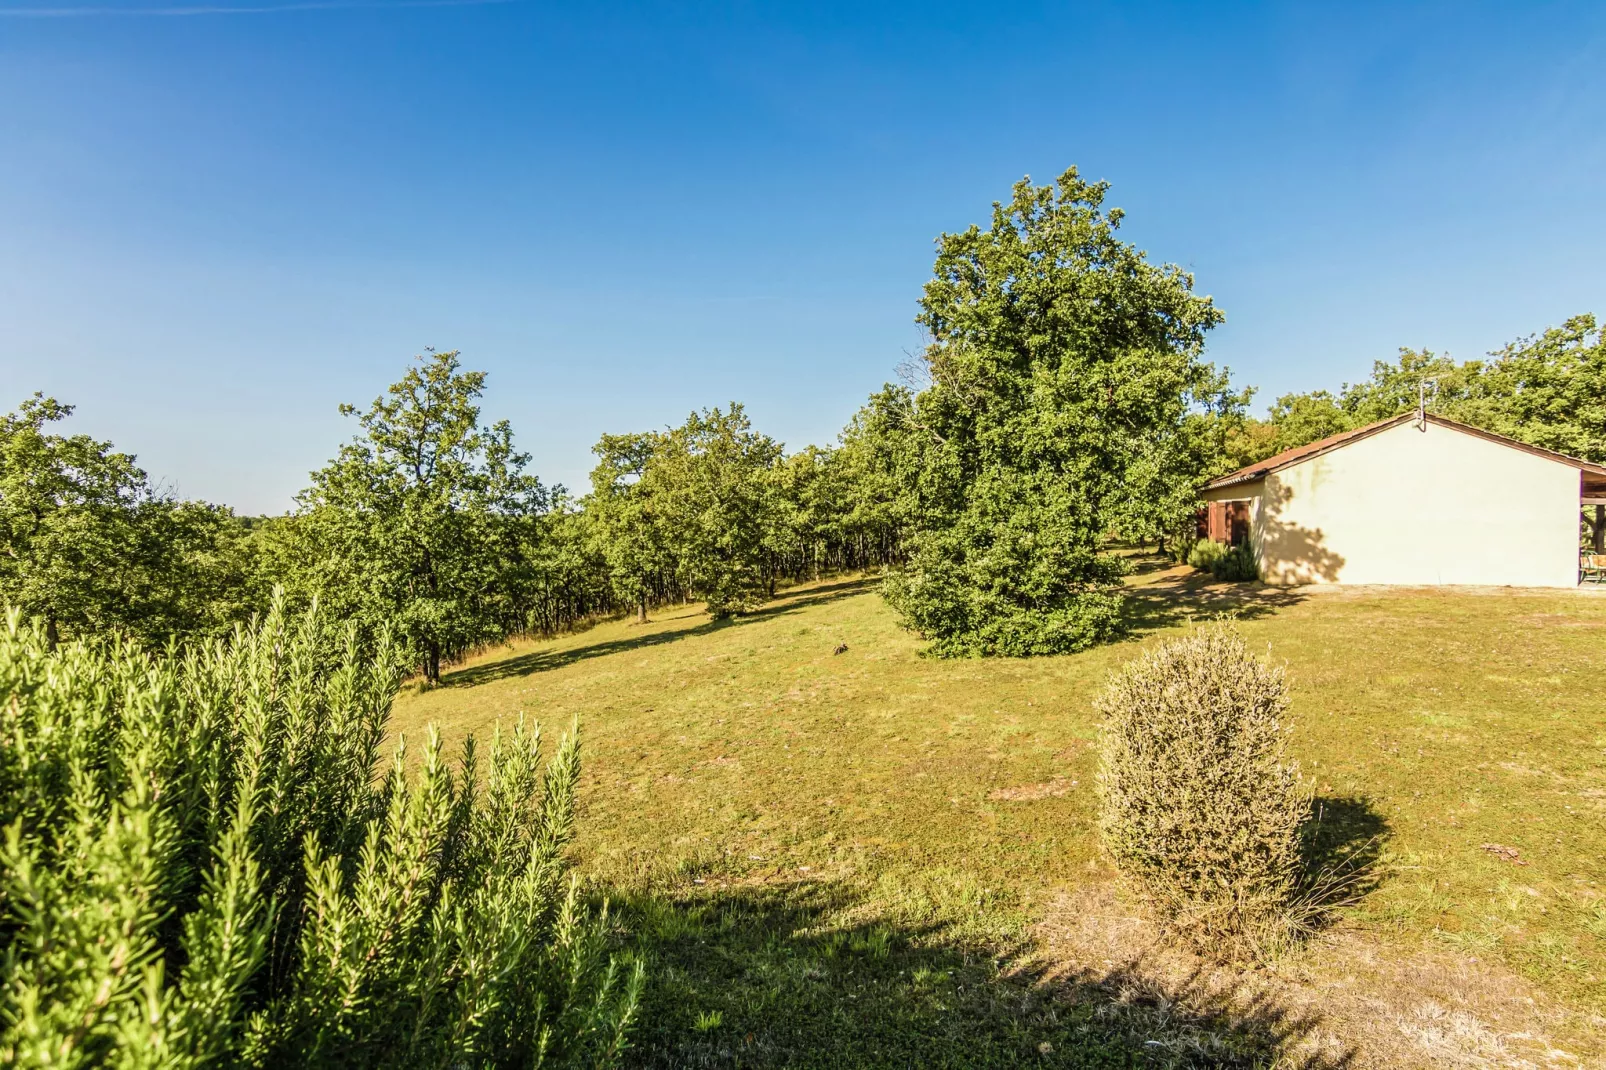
(1199, 802)
(199, 867)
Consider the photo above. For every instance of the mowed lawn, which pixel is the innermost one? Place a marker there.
(848, 858)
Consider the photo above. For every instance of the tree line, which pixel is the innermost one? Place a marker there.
(1548, 390)
(1062, 404)
(430, 523)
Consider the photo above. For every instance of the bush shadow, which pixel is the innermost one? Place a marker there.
(546, 660)
(1342, 852)
(791, 974)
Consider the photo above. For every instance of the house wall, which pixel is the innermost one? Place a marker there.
(1407, 506)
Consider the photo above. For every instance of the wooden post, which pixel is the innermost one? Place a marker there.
(1600, 529)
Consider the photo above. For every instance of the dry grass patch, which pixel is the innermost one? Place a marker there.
(1352, 998)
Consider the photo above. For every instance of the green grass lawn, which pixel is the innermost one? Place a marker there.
(844, 858)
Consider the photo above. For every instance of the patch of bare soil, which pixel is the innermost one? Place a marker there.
(1344, 1000)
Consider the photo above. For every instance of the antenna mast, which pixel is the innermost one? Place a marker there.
(1424, 387)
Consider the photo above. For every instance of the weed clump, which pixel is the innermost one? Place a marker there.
(1199, 803)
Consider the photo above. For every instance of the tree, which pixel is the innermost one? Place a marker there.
(1059, 359)
(562, 578)
(1161, 496)
(87, 545)
(628, 515)
(881, 468)
(1550, 390)
(712, 476)
(419, 521)
(67, 505)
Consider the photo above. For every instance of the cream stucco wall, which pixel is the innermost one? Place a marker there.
(1407, 506)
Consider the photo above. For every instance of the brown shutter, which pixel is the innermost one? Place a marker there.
(1238, 527)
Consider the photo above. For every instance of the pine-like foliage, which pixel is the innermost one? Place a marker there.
(199, 867)
(1199, 802)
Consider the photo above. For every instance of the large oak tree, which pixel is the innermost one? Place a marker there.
(1063, 364)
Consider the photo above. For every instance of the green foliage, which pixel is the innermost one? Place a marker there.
(1206, 553)
(804, 515)
(1199, 802)
(1548, 390)
(1234, 564)
(559, 579)
(87, 546)
(713, 473)
(880, 468)
(696, 503)
(1064, 368)
(1161, 488)
(198, 869)
(629, 520)
(422, 521)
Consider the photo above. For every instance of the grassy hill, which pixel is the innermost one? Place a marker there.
(840, 853)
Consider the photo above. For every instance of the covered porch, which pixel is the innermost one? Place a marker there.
(1592, 502)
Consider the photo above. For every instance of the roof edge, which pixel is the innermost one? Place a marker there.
(1288, 458)
(1527, 447)
(1299, 454)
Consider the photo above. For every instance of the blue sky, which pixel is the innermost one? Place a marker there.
(216, 225)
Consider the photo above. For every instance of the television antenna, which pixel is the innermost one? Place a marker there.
(1425, 389)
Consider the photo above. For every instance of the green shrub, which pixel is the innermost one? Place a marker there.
(200, 868)
(1237, 565)
(1234, 564)
(1205, 553)
(965, 615)
(1199, 803)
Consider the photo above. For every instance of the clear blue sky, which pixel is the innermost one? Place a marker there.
(217, 224)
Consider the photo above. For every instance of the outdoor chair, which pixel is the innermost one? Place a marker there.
(1592, 568)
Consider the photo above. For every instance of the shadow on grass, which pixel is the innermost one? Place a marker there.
(1342, 850)
(1146, 562)
(772, 976)
(546, 660)
(1175, 600)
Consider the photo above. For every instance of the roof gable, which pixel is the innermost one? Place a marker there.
(1261, 469)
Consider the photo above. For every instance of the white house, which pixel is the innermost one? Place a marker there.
(1415, 500)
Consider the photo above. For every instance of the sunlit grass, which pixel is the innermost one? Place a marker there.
(799, 831)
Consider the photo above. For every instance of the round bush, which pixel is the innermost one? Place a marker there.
(1199, 802)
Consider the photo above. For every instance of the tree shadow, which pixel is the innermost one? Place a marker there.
(1294, 554)
(1175, 600)
(1143, 562)
(782, 974)
(545, 660)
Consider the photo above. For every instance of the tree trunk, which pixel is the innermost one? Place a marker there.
(641, 609)
(53, 630)
(432, 669)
